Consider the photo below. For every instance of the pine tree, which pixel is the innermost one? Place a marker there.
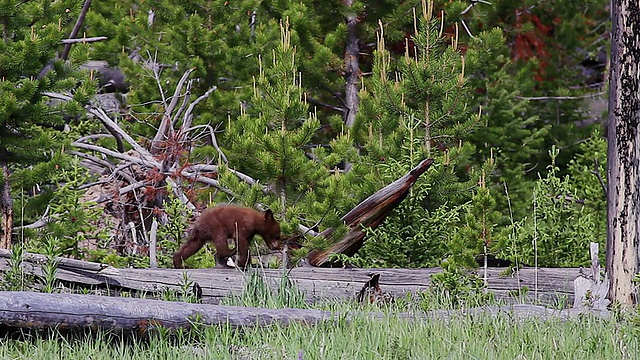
(30, 123)
(416, 107)
(510, 132)
(272, 141)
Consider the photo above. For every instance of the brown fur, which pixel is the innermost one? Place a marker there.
(224, 222)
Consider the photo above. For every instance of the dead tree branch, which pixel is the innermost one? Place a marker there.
(84, 40)
(164, 128)
(76, 29)
(369, 213)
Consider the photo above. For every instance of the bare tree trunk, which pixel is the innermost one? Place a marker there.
(623, 202)
(352, 67)
(6, 205)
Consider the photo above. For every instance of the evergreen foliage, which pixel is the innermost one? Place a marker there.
(31, 123)
(416, 107)
(32, 33)
(272, 140)
(72, 217)
(558, 50)
(510, 132)
(428, 90)
(219, 39)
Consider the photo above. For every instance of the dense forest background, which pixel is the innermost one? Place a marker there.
(306, 108)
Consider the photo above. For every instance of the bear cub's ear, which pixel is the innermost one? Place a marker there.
(268, 215)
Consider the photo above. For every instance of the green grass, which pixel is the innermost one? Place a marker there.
(465, 337)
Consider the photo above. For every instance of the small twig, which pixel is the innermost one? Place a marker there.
(185, 100)
(153, 260)
(538, 98)
(93, 137)
(474, 3)
(118, 172)
(176, 94)
(125, 189)
(213, 168)
(207, 181)
(214, 142)
(94, 159)
(98, 112)
(308, 230)
(152, 64)
(84, 40)
(117, 155)
(165, 125)
(57, 96)
(597, 173)
(252, 25)
(466, 28)
(188, 117)
(329, 106)
(94, 183)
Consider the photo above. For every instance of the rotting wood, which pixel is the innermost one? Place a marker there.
(555, 285)
(69, 312)
(369, 213)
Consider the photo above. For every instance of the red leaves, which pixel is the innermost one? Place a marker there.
(532, 43)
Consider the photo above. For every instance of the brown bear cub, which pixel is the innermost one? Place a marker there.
(226, 225)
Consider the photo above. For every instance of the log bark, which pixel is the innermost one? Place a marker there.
(73, 312)
(369, 213)
(69, 312)
(623, 153)
(555, 286)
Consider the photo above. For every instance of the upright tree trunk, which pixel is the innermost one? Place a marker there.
(352, 67)
(623, 203)
(6, 206)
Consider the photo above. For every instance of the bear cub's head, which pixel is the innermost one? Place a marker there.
(271, 231)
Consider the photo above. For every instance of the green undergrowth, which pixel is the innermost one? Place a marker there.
(463, 337)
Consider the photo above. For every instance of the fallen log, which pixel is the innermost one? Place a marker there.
(74, 311)
(553, 285)
(71, 312)
(369, 213)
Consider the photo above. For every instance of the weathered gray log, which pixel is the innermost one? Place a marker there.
(68, 312)
(317, 284)
(73, 311)
(369, 213)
